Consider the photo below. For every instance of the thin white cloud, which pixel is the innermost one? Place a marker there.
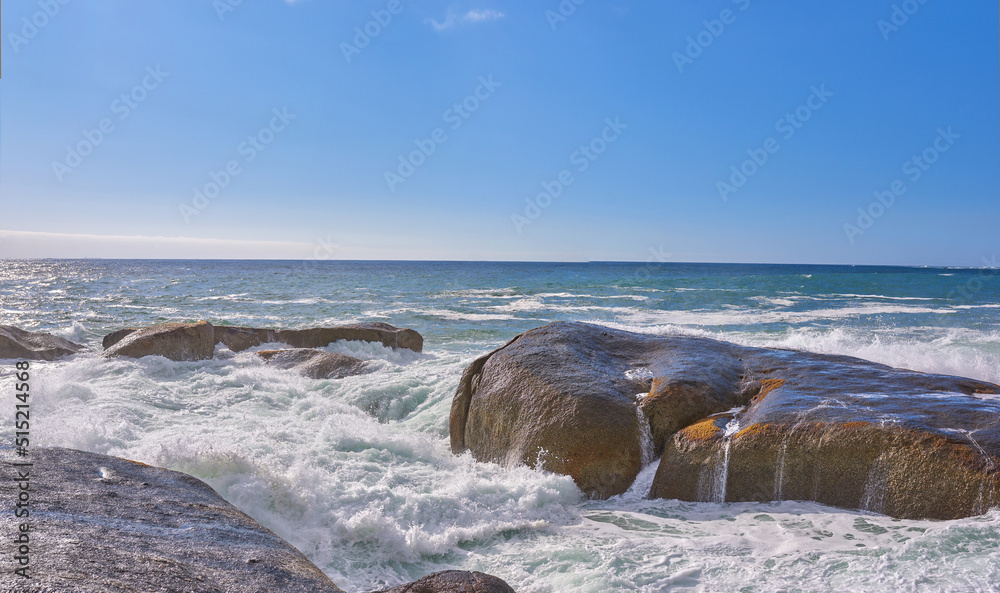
(31, 245)
(25, 244)
(473, 16)
(477, 16)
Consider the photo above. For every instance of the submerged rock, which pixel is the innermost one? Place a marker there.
(733, 423)
(317, 364)
(107, 524)
(238, 339)
(454, 581)
(176, 341)
(25, 345)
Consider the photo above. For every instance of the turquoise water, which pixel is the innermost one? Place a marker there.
(357, 472)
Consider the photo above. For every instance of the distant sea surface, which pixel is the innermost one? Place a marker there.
(357, 473)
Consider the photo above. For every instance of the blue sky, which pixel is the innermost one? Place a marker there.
(725, 131)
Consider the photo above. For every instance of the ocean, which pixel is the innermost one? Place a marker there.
(357, 473)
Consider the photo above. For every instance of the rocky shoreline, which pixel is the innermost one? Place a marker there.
(108, 524)
(729, 423)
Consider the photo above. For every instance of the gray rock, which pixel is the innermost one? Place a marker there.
(454, 581)
(176, 341)
(20, 344)
(317, 364)
(107, 524)
(238, 339)
(196, 341)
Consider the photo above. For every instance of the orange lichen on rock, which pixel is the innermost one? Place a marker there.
(766, 387)
(853, 425)
(758, 429)
(706, 430)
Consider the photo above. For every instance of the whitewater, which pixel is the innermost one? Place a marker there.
(357, 473)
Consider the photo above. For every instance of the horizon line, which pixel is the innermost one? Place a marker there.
(498, 261)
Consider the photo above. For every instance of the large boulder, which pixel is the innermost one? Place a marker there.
(590, 402)
(844, 432)
(176, 341)
(733, 423)
(454, 581)
(20, 344)
(103, 524)
(316, 364)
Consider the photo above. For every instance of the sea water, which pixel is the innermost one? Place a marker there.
(357, 473)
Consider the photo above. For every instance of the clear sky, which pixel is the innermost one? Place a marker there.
(725, 131)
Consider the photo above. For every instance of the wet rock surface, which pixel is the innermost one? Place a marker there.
(116, 336)
(238, 339)
(16, 343)
(557, 397)
(733, 423)
(844, 432)
(176, 341)
(107, 524)
(316, 364)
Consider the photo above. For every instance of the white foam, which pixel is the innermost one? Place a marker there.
(949, 351)
(497, 293)
(882, 296)
(448, 314)
(639, 374)
(967, 353)
(642, 319)
(76, 332)
(379, 502)
(305, 457)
